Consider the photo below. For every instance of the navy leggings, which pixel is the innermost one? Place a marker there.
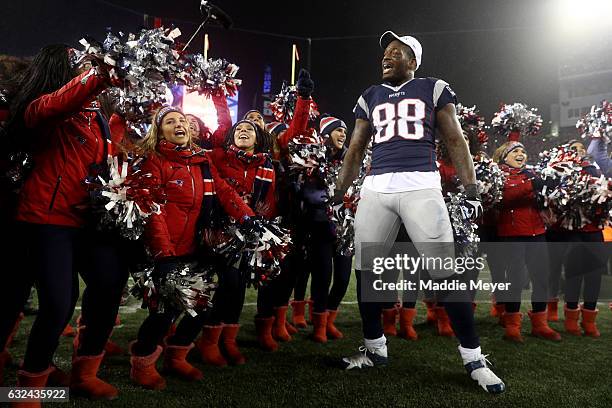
(54, 256)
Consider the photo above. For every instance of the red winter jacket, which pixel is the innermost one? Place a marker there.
(240, 175)
(68, 141)
(173, 231)
(298, 124)
(518, 213)
(448, 177)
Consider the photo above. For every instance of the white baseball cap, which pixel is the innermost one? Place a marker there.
(412, 42)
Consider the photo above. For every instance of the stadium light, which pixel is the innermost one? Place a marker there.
(581, 16)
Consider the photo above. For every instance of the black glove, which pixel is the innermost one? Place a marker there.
(338, 197)
(305, 85)
(163, 267)
(473, 202)
(247, 223)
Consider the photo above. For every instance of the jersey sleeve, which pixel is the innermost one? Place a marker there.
(443, 94)
(361, 110)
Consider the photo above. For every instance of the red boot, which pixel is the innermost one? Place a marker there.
(540, 327)
(444, 327)
(431, 312)
(263, 327)
(175, 362)
(310, 302)
(406, 321)
(500, 310)
(298, 307)
(144, 372)
(113, 349)
(11, 336)
(228, 341)
(84, 380)
(552, 309)
(279, 329)
(332, 331)
(512, 327)
(588, 322)
(31, 380)
(389, 318)
(5, 359)
(208, 346)
(319, 321)
(290, 328)
(571, 321)
(69, 331)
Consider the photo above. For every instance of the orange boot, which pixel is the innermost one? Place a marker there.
(175, 362)
(68, 331)
(144, 372)
(512, 327)
(540, 327)
(58, 378)
(500, 309)
(493, 311)
(332, 331)
(290, 328)
(430, 318)
(319, 321)
(571, 321)
(228, 341)
(552, 310)
(31, 380)
(208, 346)
(406, 320)
(263, 327)
(298, 307)
(310, 303)
(279, 329)
(5, 359)
(588, 322)
(11, 336)
(444, 327)
(389, 318)
(84, 380)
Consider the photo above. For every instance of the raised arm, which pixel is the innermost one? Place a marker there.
(351, 165)
(598, 151)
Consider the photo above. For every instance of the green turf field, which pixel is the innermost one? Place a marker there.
(576, 372)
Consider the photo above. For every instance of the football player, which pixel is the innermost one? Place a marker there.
(403, 186)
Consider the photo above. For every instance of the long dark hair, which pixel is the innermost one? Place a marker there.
(50, 70)
(262, 141)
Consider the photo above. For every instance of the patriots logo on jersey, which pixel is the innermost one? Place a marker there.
(177, 182)
(403, 121)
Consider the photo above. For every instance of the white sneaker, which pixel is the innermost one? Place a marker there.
(367, 357)
(478, 369)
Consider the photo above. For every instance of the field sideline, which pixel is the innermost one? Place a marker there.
(573, 373)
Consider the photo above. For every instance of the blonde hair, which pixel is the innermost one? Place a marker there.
(149, 143)
(499, 156)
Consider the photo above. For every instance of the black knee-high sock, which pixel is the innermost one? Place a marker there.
(461, 316)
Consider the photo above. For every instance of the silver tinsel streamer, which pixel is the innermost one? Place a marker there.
(143, 64)
(211, 76)
(189, 287)
(517, 116)
(464, 230)
(259, 246)
(490, 181)
(283, 106)
(597, 123)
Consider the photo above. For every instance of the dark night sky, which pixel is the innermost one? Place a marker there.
(488, 50)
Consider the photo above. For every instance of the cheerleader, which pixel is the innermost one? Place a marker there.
(69, 140)
(583, 258)
(520, 225)
(325, 261)
(245, 164)
(190, 181)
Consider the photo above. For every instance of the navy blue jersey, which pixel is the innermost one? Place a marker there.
(403, 120)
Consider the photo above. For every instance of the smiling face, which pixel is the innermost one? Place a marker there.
(398, 63)
(338, 137)
(257, 119)
(517, 158)
(194, 126)
(579, 149)
(245, 137)
(175, 129)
